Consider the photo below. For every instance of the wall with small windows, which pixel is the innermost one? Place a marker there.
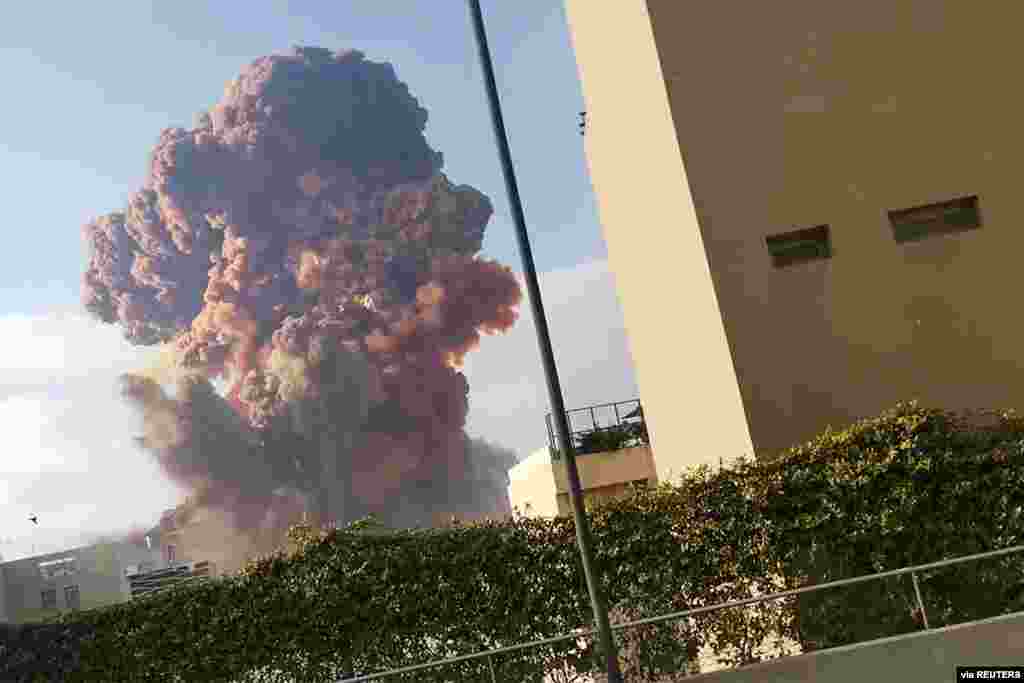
(79, 578)
(807, 204)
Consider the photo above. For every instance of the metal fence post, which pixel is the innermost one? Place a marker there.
(551, 436)
(490, 663)
(920, 602)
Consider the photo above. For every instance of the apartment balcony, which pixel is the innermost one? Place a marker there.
(612, 450)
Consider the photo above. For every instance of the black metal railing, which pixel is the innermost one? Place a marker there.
(602, 427)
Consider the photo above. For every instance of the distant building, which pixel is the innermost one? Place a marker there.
(192, 533)
(150, 581)
(34, 588)
(184, 534)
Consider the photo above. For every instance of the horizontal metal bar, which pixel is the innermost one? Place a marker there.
(601, 405)
(475, 655)
(610, 428)
(817, 587)
(582, 633)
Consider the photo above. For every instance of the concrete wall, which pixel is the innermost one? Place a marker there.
(684, 370)
(592, 497)
(539, 487)
(599, 470)
(605, 476)
(791, 116)
(923, 656)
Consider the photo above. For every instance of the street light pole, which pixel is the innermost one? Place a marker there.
(583, 538)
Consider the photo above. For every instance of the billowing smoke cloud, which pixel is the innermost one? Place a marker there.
(302, 246)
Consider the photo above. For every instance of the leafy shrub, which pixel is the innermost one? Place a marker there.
(603, 439)
(910, 487)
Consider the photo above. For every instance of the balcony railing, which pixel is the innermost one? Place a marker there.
(602, 427)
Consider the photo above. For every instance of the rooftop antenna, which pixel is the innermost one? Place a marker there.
(35, 520)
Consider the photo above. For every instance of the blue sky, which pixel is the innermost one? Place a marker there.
(90, 87)
(98, 84)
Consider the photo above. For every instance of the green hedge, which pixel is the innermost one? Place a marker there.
(910, 487)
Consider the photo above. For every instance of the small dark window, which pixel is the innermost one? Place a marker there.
(798, 246)
(71, 597)
(909, 225)
(50, 598)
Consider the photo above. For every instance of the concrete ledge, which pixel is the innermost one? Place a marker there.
(919, 656)
(609, 468)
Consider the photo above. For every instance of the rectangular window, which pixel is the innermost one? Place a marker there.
(49, 598)
(170, 553)
(52, 569)
(799, 246)
(910, 225)
(71, 597)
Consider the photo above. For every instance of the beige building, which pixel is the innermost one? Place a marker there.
(807, 210)
(538, 486)
(606, 475)
(613, 456)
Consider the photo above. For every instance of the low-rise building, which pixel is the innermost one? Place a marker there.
(34, 588)
(613, 453)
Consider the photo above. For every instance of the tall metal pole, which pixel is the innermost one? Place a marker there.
(583, 538)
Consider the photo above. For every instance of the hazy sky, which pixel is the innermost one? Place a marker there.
(89, 90)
